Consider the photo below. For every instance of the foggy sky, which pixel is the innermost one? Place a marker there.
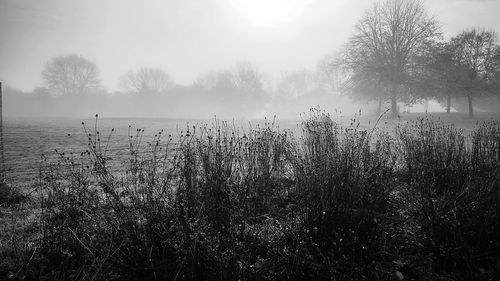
(187, 38)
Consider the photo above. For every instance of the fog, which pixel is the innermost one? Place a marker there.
(284, 42)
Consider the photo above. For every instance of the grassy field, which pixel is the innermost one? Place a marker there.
(324, 198)
(26, 139)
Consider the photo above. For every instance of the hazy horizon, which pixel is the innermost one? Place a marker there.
(190, 38)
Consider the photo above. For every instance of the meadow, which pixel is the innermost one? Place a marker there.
(26, 139)
(323, 198)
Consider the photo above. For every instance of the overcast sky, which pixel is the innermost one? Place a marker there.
(187, 38)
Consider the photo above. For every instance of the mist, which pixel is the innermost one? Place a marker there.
(192, 40)
(249, 139)
(180, 102)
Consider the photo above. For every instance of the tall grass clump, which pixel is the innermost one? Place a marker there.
(434, 156)
(234, 181)
(481, 216)
(486, 149)
(218, 202)
(17, 227)
(204, 204)
(100, 223)
(457, 183)
(344, 178)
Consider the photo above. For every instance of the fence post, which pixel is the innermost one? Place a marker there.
(2, 159)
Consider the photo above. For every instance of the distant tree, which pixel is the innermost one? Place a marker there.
(329, 73)
(146, 81)
(387, 39)
(496, 77)
(366, 85)
(222, 80)
(247, 77)
(296, 83)
(70, 75)
(441, 76)
(243, 78)
(42, 93)
(477, 52)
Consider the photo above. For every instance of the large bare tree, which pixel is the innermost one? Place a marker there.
(477, 51)
(386, 41)
(366, 85)
(441, 76)
(71, 74)
(146, 80)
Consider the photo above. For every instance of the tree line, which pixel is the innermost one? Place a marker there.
(72, 86)
(396, 53)
(76, 75)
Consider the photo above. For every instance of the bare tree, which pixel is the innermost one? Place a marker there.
(243, 78)
(297, 83)
(146, 81)
(329, 73)
(477, 51)
(441, 76)
(366, 85)
(387, 39)
(248, 79)
(71, 74)
(222, 80)
(496, 78)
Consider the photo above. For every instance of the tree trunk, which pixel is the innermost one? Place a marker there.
(448, 102)
(471, 110)
(394, 104)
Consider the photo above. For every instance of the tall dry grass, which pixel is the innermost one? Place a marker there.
(220, 202)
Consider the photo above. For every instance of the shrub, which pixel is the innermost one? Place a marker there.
(10, 195)
(458, 189)
(343, 184)
(217, 202)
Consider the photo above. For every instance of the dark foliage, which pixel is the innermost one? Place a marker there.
(338, 203)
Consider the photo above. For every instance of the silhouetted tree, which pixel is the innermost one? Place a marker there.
(71, 74)
(146, 81)
(441, 76)
(366, 85)
(477, 52)
(387, 39)
(496, 77)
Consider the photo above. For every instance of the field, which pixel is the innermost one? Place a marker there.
(325, 197)
(26, 139)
